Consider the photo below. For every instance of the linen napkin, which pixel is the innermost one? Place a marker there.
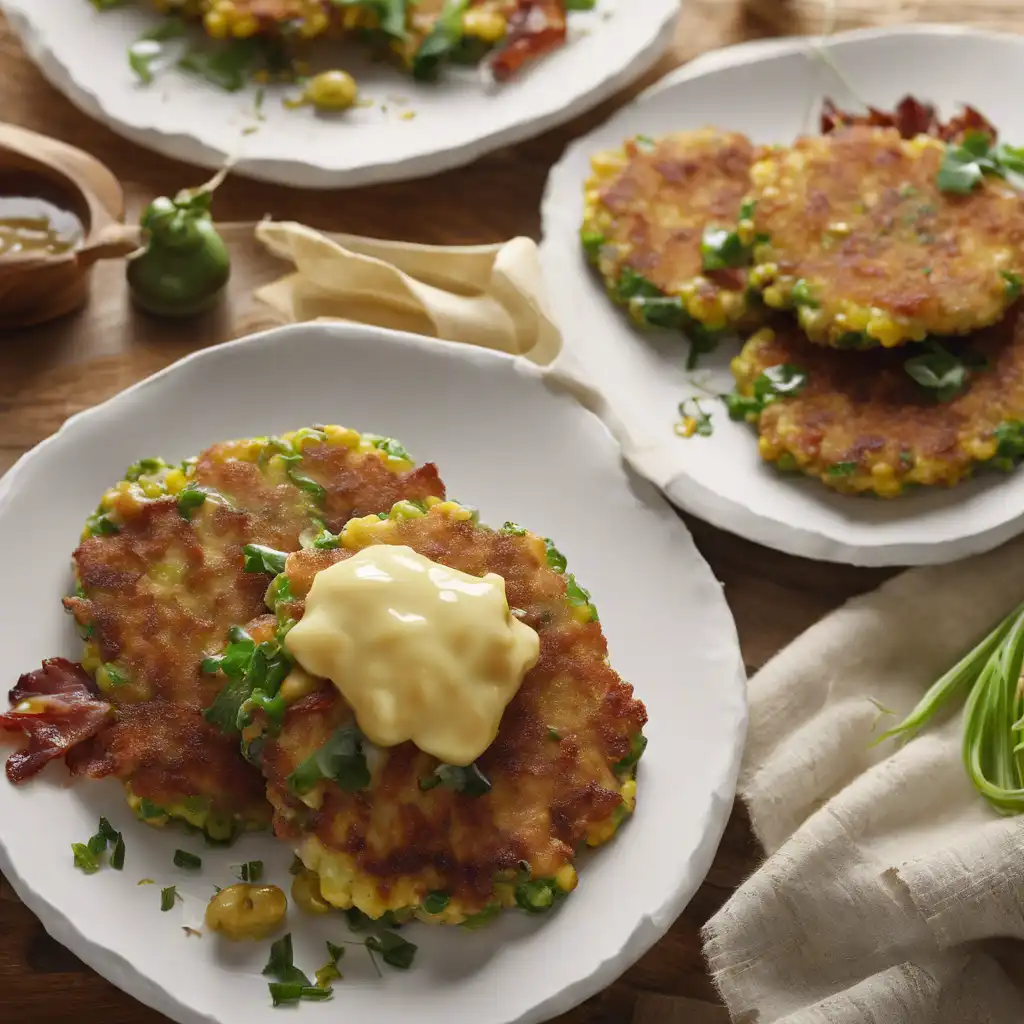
(892, 893)
(486, 295)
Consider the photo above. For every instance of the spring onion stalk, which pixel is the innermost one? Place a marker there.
(993, 748)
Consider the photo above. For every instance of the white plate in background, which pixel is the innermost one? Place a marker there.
(768, 92)
(456, 121)
(505, 441)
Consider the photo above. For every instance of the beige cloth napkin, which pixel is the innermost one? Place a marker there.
(486, 295)
(891, 893)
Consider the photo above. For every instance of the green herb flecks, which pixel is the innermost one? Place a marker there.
(556, 560)
(593, 242)
(942, 373)
(144, 467)
(442, 44)
(1009, 438)
(841, 469)
(99, 524)
(1011, 285)
(189, 861)
(389, 446)
(254, 673)
(390, 14)
(469, 781)
(393, 949)
(694, 420)
(250, 871)
(537, 895)
(721, 249)
(329, 971)
(782, 381)
(85, 859)
(966, 164)
(483, 918)
(286, 993)
(514, 530)
(340, 760)
(149, 48)
(227, 66)
(168, 897)
(263, 559)
(281, 963)
(435, 902)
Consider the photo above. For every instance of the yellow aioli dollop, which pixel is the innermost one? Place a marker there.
(419, 651)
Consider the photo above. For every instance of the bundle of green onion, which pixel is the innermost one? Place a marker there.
(993, 747)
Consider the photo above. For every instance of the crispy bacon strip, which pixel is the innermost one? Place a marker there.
(911, 117)
(65, 709)
(535, 27)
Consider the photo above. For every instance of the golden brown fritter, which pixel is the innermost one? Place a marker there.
(162, 579)
(647, 208)
(561, 768)
(866, 247)
(861, 423)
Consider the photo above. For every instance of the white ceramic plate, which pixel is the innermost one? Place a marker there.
(505, 441)
(771, 92)
(83, 53)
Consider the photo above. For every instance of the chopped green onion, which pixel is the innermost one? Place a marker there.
(340, 759)
(721, 249)
(251, 871)
(117, 856)
(85, 859)
(184, 859)
(263, 559)
(168, 896)
(556, 560)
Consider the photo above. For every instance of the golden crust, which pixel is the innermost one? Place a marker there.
(550, 789)
(885, 256)
(651, 201)
(862, 424)
(160, 595)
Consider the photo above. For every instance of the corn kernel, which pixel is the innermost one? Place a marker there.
(175, 481)
(216, 25)
(297, 685)
(342, 437)
(245, 26)
(489, 26)
(566, 878)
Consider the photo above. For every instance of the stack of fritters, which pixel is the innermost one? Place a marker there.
(161, 578)
(896, 245)
(391, 831)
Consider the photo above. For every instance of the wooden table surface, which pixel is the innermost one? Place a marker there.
(774, 597)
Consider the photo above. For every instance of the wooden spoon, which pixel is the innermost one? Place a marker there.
(39, 286)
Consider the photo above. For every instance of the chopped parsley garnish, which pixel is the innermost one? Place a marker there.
(721, 249)
(964, 165)
(149, 48)
(514, 529)
(168, 896)
(227, 66)
(117, 855)
(441, 44)
(329, 972)
(782, 381)
(1009, 437)
(85, 858)
(436, 901)
(691, 414)
(939, 371)
(284, 993)
(184, 859)
(469, 781)
(259, 558)
(393, 949)
(281, 963)
(579, 596)
(593, 242)
(250, 871)
(254, 672)
(556, 560)
(340, 759)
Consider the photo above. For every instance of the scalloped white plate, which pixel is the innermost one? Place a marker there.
(455, 122)
(768, 90)
(508, 442)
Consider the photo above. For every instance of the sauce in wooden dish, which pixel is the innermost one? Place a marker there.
(30, 225)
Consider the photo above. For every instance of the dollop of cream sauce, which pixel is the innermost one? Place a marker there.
(420, 651)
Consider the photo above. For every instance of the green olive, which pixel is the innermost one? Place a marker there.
(244, 911)
(332, 90)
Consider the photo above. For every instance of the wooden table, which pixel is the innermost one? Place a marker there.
(45, 377)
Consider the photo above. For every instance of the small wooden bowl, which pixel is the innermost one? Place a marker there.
(35, 287)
